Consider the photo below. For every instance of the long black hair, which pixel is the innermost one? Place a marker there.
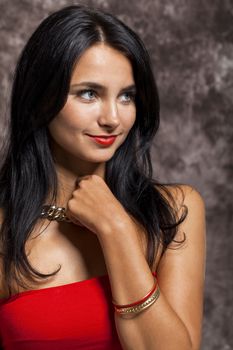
(39, 92)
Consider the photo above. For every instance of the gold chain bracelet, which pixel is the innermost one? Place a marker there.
(52, 212)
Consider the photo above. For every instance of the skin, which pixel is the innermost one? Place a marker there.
(91, 247)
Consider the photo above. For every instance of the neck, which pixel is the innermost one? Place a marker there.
(69, 169)
(67, 177)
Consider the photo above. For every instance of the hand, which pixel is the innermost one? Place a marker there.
(94, 206)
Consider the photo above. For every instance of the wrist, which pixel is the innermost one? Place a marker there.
(116, 227)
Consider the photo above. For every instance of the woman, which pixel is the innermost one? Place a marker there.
(94, 253)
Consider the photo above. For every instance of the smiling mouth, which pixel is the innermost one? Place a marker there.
(104, 140)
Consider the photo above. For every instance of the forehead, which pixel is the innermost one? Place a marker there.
(101, 62)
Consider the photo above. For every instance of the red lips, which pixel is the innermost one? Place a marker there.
(104, 140)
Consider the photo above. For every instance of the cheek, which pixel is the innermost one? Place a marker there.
(129, 118)
(71, 118)
(62, 133)
(63, 126)
(67, 118)
(60, 126)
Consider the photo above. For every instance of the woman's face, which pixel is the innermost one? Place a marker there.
(101, 102)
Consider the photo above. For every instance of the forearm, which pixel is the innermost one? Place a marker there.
(156, 328)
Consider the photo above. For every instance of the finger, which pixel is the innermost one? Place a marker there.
(81, 178)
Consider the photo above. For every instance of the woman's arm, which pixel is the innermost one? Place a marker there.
(174, 320)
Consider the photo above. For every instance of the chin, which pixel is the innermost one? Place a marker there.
(99, 159)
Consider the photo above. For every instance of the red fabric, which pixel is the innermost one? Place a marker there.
(74, 316)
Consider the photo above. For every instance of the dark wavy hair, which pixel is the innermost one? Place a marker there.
(39, 92)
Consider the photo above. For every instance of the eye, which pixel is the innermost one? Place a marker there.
(127, 97)
(88, 95)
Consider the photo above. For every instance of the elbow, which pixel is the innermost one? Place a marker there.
(192, 344)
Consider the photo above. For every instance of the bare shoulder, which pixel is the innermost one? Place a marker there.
(194, 202)
(185, 199)
(191, 197)
(194, 224)
(179, 195)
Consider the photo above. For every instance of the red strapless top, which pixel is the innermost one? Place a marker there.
(74, 316)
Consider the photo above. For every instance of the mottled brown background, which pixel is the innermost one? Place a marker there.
(191, 45)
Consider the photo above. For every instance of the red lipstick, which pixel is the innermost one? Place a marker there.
(104, 140)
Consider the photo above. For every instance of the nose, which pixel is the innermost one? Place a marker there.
(109, 115)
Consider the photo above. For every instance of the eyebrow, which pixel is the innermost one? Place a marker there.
(100, 87)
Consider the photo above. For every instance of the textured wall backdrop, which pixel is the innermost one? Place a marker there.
(191, 47)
